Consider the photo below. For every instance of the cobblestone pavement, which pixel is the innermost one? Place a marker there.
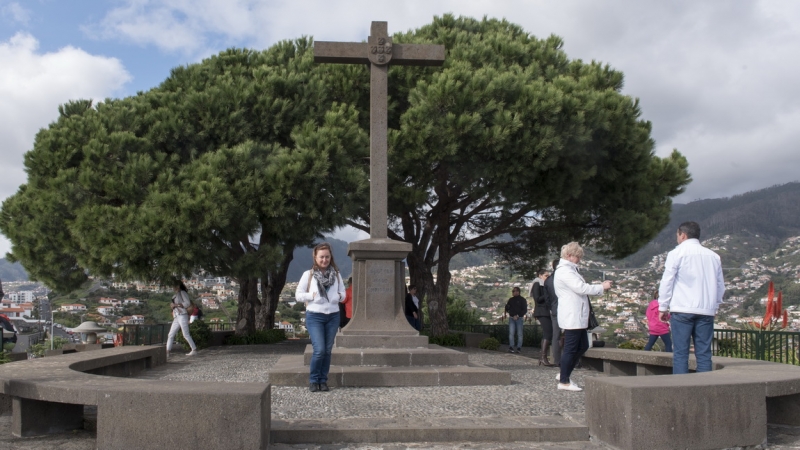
(532, 392)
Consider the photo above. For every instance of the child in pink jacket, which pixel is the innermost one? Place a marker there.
(658, 329)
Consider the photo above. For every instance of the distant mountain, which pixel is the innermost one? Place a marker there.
(12, 271)
(759, 220)
(765, 218)
(303, 260)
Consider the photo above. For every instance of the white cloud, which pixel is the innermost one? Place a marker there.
(32, 85)
(16, 12)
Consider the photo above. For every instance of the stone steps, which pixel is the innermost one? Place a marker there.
(440, 429)
(290, 371)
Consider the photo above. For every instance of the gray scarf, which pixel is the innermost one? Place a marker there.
(324, 279)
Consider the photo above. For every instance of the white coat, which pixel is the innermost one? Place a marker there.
(308, 293)
(572, 292)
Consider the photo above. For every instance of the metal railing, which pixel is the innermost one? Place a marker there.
(144, 334)
(774, 346)
(157, 333)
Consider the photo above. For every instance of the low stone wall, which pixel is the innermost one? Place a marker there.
(48, 395)
(728, 407)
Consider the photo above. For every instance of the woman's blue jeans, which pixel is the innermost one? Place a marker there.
(322, 328)
(664, 338)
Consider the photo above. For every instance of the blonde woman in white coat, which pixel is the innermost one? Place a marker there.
(573, 311)
(180, 302)
(321, 289)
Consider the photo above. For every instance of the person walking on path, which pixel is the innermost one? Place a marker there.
(516, 308)
(656, 327)
(541, 312)
(552, 304)
(321, 289)
(180, 318)
(573, 311)
(412, 307)
(689, 296)
(346, 306)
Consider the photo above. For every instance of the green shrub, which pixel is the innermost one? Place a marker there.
(272, 336)
(37, 350)
(4, 357)
(489, 344)
(449, 340)
(200, 332)
(633, 344)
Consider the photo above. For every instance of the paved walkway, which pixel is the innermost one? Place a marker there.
(532, 393)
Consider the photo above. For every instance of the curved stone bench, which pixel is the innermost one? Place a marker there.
(48, 396)
(727, 407)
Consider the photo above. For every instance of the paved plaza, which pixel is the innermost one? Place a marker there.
(532, 394)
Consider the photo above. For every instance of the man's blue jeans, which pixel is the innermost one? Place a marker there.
(515, 325)
(322, 328)
(691, 327)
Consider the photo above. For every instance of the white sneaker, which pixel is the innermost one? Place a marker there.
(192, 353)
(558, 376)
(568, 387)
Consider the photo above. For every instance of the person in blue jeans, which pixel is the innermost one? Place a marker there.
(689, 296)
(516, 308)
(321, 289)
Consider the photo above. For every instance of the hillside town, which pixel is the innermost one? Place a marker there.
(485, 289)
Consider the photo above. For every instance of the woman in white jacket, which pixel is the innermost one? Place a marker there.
(321, 289)
(180, 302)
(573, 310)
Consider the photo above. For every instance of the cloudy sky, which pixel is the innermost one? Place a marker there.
(714, 77)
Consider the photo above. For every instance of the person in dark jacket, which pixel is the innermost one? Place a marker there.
(516, 308)
(541, 312)
(412, 307)
(552, 304)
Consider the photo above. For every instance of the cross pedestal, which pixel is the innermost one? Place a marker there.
(379, 347)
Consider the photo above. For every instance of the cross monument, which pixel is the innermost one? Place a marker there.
(378, 272)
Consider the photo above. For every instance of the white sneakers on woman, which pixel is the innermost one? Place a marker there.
(192, 353)
(567, 387)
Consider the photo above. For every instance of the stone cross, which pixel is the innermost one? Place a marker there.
(378, 53)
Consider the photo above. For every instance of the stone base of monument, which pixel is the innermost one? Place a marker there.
(383, 367)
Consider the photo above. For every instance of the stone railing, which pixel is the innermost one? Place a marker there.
(728, 407)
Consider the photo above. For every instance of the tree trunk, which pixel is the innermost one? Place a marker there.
(248, 301)
(272, 284)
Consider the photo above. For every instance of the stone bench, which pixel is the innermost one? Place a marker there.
(48, 396)
(728, 407)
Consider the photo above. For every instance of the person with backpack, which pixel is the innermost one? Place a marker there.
(180, 305)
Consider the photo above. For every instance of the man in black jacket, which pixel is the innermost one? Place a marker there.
(552, 303)
(516, 308)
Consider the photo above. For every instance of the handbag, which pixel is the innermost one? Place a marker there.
(593, 323)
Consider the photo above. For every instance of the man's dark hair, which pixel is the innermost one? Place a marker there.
(690, 229)
(411, 287)
(515, 289)
(541, 272)
(555, 264)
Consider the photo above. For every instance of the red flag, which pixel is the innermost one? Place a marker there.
(785, 318)
(770, 304)
(779, 304)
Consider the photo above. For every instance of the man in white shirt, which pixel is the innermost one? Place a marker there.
(689, 296)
